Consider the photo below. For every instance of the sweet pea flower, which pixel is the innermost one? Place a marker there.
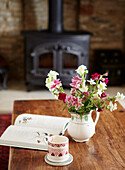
(103, 95)
(105, 80)
(73, 91)
(75, 84)
(48, 83)
(85, 94)
(47, 80)
(102, 86)
(53, 74)
(77, 78)
(95, 76)
(99, 92)
(85, 72)
(69, 101)
(62, 96)
(76, 102)
(81, 70)
(76, 81)
(119, 96)
(92, 82)
(56, 83)
(96, 95)
(112, 107)
(83, 87)
(73, 101)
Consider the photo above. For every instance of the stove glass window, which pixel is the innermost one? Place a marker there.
(70, 61)
(46, 60)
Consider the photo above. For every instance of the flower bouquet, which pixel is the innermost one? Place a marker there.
(85, 96)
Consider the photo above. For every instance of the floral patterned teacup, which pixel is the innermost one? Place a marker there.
(58, 148)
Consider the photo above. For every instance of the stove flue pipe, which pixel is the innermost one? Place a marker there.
(55, 23)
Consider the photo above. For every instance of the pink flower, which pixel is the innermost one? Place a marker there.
(105, 74)
(73, 91)
(76, 81)
(100, 109)
(62, 96)
(77, 78)
(105, 80)
(85, 94)
(69, 99)
(95, 76)
(56, 83)
(103, 95)
(76, 103)
(74, 84)
(72, 101)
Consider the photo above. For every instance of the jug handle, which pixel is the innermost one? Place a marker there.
(97, 117)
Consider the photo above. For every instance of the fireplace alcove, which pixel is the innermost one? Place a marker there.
(62, 52)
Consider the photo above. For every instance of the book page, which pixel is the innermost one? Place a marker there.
(27, 136)
(41, 121)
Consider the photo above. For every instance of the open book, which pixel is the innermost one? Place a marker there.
(32, 131)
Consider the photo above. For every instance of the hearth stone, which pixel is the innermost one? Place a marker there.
(57, 45)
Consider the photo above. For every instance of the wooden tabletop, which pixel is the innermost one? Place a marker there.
(105, 150)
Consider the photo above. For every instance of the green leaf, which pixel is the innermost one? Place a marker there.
(64, 108)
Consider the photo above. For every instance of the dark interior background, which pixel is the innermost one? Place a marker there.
(105, 19)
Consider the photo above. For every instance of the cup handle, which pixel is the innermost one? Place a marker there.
(97, 117)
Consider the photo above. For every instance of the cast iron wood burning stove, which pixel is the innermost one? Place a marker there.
(54, 49)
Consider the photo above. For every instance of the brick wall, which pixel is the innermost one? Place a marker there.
(11, 43)
(105, 19)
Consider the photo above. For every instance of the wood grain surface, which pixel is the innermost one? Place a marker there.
(105, 150)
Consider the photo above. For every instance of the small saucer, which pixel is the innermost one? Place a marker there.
(68, 161)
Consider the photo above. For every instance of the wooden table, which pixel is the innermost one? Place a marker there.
(105, 150)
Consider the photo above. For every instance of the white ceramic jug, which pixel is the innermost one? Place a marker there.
(81, 129)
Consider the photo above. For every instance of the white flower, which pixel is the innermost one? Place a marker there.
(84, 88)
(47, 80)
(119, 96)
(92, 82)
(81, 70)
(115, 106)
(112, 107)
(49, 83)
(53, 74)
(99, 92)
(86, 71)
(102, 86)
(96, 95)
